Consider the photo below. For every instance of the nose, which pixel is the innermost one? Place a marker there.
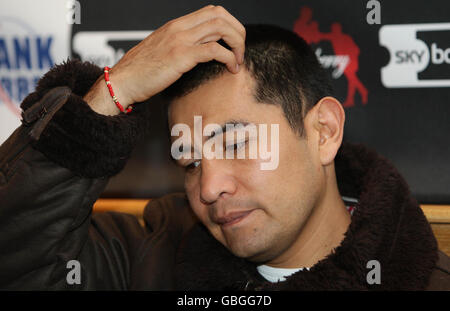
(216, 181)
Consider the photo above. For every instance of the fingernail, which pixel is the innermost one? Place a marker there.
(237, 67)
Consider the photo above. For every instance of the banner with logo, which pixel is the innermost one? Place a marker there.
(34, 35)
(389, 62)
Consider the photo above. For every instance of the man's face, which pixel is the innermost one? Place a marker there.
(257, 214)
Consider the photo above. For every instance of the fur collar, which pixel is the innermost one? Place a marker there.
(387, 225)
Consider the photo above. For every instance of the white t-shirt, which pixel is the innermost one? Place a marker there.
(274, 275)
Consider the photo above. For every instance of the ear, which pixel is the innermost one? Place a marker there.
(328, 120)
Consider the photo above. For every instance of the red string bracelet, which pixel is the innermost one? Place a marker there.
(111, 92)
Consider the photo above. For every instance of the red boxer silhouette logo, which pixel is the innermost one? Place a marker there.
(345, 49)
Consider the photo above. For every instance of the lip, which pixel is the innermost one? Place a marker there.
(232, 218)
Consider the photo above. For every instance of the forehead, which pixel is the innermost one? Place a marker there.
(230, 96)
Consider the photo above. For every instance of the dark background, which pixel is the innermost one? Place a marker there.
(409, 126)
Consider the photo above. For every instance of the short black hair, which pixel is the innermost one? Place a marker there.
(283, 65)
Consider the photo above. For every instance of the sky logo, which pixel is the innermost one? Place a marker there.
(420, 55)
(105, 48)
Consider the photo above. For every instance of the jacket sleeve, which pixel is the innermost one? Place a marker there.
(52, 169)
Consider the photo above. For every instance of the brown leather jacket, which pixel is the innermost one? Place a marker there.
(55, 166)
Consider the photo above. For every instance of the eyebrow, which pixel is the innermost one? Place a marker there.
(224, 129)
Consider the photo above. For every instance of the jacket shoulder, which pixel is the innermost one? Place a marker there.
(440, 277)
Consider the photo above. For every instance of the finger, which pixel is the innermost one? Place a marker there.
(216, 29)
(205, 14)
(188, 17)
(214, 51)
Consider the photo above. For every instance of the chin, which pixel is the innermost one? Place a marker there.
(251, 252)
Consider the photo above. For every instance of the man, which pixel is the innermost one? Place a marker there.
(316, 220)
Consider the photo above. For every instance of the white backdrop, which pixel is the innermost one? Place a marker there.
(34, 35)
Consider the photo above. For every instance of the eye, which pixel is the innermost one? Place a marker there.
(192, 166)
(237, 146)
